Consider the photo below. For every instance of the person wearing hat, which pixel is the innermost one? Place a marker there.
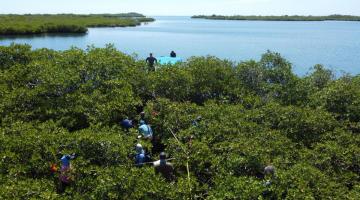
(145, 130)
(163, 167)
(140, 155)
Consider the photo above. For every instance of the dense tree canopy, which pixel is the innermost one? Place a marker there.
(253, 114)
(65, 23)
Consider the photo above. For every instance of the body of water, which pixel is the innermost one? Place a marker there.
(334, 44)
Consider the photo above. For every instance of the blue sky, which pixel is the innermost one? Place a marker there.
(185, 7)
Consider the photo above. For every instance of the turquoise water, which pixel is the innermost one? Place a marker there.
(331, 43)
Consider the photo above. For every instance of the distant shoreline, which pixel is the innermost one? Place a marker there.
(28, 24)
(280, 18)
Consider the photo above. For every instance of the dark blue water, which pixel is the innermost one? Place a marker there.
(333, 44)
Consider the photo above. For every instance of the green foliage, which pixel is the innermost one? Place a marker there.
(28, 189)
(65, 23)
(18, 54)
(342, 98)
(236, 188)
(173, 83)
(302, 125)
(253, 114)
(321, 76)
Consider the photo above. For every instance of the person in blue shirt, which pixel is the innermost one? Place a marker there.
(65, 171)
(126, 123)
(145, 130)
(140, 155)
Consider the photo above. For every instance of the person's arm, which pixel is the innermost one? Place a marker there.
(72, 156)
(149, 130)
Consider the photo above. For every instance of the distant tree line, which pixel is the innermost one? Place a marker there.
(65, 23)
(281, 18)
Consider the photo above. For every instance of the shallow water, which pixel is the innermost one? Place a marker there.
(332, 43)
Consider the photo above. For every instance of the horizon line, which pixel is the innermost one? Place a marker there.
(165, 15)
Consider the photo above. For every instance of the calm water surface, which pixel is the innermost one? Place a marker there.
(334, 44)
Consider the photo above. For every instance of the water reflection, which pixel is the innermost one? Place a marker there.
(42, 35)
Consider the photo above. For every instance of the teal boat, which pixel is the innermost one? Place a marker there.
(165, 60)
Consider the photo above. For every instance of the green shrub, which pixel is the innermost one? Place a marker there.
(252, 115)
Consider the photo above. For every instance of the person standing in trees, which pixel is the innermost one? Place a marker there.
(140, 157)
(145, 130)
(269, 172)
(151, 61)
(270, 176)
(143, 117)
(65, 171)
(165, 168)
